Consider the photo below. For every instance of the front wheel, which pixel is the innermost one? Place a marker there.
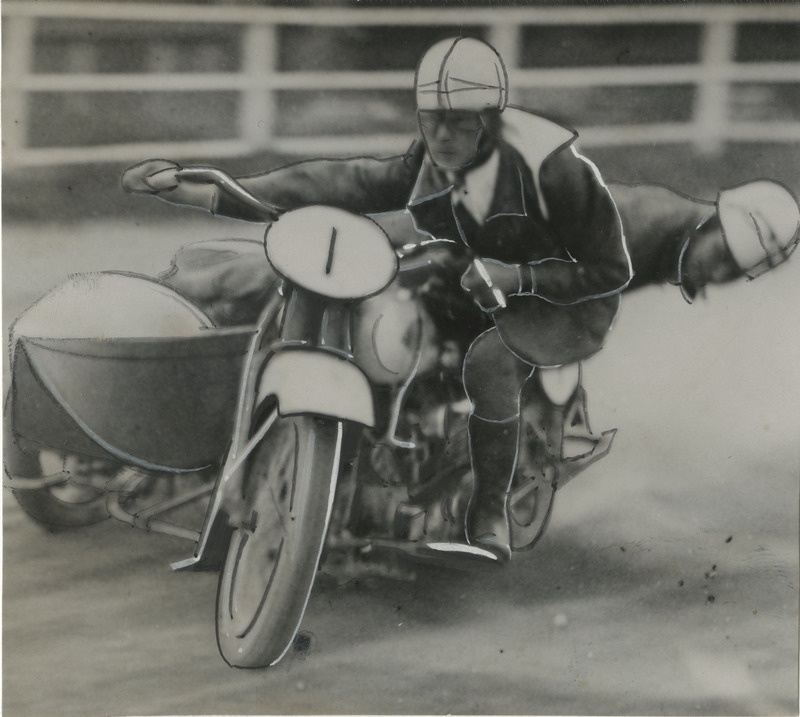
(289, 484)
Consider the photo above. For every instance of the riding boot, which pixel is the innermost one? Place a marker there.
(493, 446)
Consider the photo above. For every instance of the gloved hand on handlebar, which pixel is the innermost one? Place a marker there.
(151, 176)
(203, 187)
(193, 186)
(489, 282)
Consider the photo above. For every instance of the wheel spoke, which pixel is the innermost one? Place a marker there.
(278, 504)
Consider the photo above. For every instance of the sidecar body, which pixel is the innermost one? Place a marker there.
(119, 365)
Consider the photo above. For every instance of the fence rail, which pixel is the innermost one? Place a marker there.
(421, 16)
(259, 79)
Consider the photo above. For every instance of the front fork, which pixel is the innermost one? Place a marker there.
(307, 369)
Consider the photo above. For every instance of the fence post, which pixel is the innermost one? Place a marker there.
(713, 88)
(18, 35)
(257, 108)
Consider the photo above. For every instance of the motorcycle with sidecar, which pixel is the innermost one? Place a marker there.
(334, 426)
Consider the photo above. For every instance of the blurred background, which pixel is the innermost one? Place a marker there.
(667, 582)
(687, 94)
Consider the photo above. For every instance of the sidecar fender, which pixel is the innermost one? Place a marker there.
(317, 382)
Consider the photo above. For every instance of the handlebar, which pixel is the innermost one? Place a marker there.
(210, 175)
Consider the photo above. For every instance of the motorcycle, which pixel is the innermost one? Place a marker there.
(335, 426)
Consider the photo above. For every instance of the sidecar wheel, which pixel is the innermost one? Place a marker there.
(273, 556)
(77, 501)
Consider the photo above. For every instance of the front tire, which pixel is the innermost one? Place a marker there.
(273, 556)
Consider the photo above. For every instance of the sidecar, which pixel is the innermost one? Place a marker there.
(118, 369)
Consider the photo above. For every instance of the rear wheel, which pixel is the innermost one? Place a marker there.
(529, 507)
(76, 496)
(273, 556)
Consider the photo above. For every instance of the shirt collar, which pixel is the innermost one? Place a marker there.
(477, 190)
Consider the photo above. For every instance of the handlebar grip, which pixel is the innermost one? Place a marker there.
(228, 185)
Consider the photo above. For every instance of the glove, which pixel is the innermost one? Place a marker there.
(189, 186)
(151, 176)
(489, 282)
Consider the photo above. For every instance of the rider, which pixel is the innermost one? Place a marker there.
(506, 187)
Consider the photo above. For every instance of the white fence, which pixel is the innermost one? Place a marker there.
(258, 78)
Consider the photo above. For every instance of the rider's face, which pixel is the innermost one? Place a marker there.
(451, 137)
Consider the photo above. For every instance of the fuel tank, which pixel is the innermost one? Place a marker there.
(394, 337)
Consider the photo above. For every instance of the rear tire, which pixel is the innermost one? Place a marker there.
(274, 555)
(77, 501)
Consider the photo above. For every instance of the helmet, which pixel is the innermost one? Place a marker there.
(761, 223)
(461, 73)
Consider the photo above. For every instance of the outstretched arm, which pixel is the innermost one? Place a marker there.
(361, 184)
(688, 242)
(201, 187)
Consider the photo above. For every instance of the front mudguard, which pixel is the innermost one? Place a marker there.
(318, 382)
(294, 381)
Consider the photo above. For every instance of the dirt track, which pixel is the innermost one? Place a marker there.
(666, 584)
